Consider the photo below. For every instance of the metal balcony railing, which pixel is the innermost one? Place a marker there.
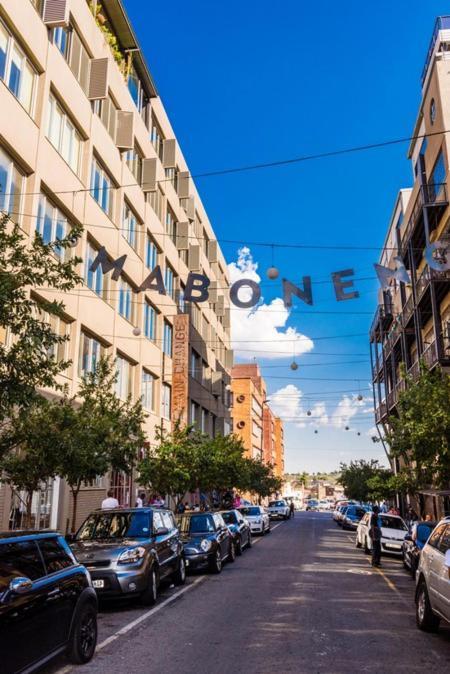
(442, 23)
(428, 195)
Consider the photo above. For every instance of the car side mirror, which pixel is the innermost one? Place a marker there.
(20, 585)
(447, 559)
(162, 531)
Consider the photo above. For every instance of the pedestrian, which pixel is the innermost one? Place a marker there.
(181, 508)
(187, 506)
(196, 508)
(140, 500)
(375, 536)
(110, 502)
(291, 509)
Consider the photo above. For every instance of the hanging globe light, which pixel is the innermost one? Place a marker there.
(308, 413)
(359, 433)
(293, 366)
(136, 331)
(316, 431)
(360, 397)
(272, 273)
(347, 428)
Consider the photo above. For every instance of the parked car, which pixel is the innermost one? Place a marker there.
(278, 510)
(312, 504)
(239, 529)
(414, 543)
(207, 541)
(257, 517)
(128, 551)
(47, 603)
(352, 516)
(433, 579)
(393, 532)
(341, 514)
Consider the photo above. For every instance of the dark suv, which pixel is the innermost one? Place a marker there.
(129, 551)
(47, 603)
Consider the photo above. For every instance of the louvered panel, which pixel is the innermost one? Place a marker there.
(184, 184)
(183, 236)
(56, 13)
(149, 175)
(190, 208)
(229, 359)
(169, 149)
(194, 258)
(98, 81)
(220, 306)
(125, 130)
(213, 291)
(226, 319)
(213, 251)
(216, 383)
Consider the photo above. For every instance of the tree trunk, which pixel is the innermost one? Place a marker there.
(28, 504)
(75, 493)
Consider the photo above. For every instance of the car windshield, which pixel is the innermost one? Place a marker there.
(230, 518)
(115, 525)
(313, 503)
(196, 524)
(356, 512)
(277, 504)
(252, 511)
(393, 523)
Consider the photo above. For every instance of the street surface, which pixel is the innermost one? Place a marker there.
(302, 600)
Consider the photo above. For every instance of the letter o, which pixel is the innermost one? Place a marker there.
(245, 283)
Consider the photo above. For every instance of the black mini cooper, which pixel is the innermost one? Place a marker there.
(207, 540)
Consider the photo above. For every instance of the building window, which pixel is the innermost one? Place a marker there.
(78, 60)
(150, 319)
(195, 365)
(63, 135)
(157, 138)
(194, 413)
(102, 188)
(16, 70)
(51, 224)
(204, 423)
(151, 253)
(60, 37)
(169, 281)
(95, 280)
(167, 339)
(136, 90)
(171, 228)
(437, 177)
(172, 176)
(61, 328)
(126, 302)
(124, 384)
(165, 401)
(130, 226)
(157, 203)
(133, 160)
(148, 391)
(106, 109)
(11, 187)
(91, 350)
(181, 301)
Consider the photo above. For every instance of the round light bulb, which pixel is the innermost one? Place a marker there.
(294, 365)
(308, 413)
(136, 331)
(360, 397)
(272, 273)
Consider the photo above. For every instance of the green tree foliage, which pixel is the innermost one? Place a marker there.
(420, 435)
(356, 478)
(259, 478)
(28, 362)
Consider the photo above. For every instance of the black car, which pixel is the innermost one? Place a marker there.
(413, 544)
(47, 603)
(128, 551)
(207, 540)
(239, 529)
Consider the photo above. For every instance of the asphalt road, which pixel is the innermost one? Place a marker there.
(302, 600)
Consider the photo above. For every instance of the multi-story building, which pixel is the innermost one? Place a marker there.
(253, 420)
(85, 139)
(412, 322)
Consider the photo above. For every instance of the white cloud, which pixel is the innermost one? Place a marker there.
(262, 329)
(346, 410)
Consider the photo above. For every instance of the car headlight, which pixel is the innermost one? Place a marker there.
(205, 545)
(131, 556)
(257, 521)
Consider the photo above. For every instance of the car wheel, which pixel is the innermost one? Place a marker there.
(179, 577)
(425, 618)
(83, 640)
(231, 553)
(215, 565)
(249, 540)
(268, 529)
(150, 595)
(238, 547)
(405, 563)
(366, 547)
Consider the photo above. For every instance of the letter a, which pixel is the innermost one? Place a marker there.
(154, 281)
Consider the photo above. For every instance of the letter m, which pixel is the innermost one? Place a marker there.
(106, 264)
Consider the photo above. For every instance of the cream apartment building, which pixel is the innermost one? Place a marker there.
(84, 138)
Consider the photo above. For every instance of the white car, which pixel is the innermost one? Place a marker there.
(257, 517)
(279, 510)
(393, 532)
(433, 579)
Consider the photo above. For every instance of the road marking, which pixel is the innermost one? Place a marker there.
(263, 537)
(134, 623)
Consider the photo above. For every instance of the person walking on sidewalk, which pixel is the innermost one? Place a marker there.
(291, 509)
(375, 535)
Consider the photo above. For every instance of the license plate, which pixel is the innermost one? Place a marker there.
(395, 546)
(99, 584)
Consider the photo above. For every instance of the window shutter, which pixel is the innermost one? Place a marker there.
(184, 184)
(216, 383)
(75, 53)
(98, 81)
(169, 146)
(226, 319)
(183, 236)
(194, 258)
(56, 13)
(149, 175)
(213, 251)
(190, 208)
(229, 358)
(220, 306)
(125, 130)
(213, 291)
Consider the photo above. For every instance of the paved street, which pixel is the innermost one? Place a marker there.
(303, 600)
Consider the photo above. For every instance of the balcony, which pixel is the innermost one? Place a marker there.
(381, 321)
(430, 355)
(429, 196)
(442, 23)
(381, 412)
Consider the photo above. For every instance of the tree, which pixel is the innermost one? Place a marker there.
(355, 478)
(420, 435)
(302, 479)
(28, 362)
(259, 478)
(31, 461)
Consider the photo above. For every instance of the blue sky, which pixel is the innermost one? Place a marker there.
(250, 82)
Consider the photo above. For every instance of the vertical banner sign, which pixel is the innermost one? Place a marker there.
(180, 369)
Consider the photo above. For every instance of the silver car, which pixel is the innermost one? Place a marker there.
(433, 579)
(257, 517)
